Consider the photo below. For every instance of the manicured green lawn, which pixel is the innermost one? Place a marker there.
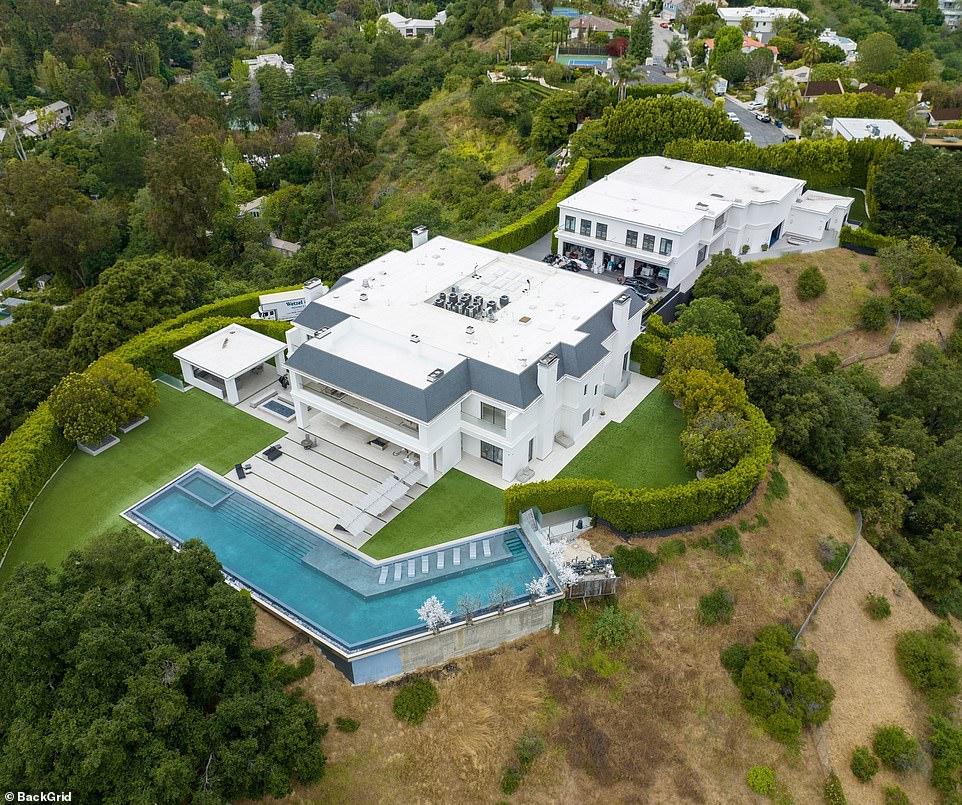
(644, 450)
(457, 505)
(87, 495)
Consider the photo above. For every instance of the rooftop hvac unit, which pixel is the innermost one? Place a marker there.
(504, 300)
(419, 236)
(435, 374)
(314, 288)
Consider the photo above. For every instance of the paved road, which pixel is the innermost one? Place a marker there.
(762, 133)
(660, 37)
(11, 281)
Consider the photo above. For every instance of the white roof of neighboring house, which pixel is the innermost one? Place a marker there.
(268, 60)
(674, 195)
(864, 128)
(250, 206)
(733, 16)
(400, 21)
(230, 351)
(283, 245)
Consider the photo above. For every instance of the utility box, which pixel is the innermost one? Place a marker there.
(419, 236)
(287, 305)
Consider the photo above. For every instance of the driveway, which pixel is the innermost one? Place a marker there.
(762, 133)
(10, 283)
(538, 249)
(660, 37)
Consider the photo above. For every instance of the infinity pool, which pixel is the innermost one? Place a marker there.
(352, 601)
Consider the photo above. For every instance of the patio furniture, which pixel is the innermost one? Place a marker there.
(440, 560)
(273, 453)
(378, 442)
(486, 547)
(308, 443)
(383, 575)
(473, 550)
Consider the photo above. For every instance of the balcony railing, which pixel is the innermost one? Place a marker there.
(490, 427)
(350, 403)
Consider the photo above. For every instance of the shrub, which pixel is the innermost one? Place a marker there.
(733, 660)
(530, 747)
(541, 220)
(635, 562)
(550, 496)
(895, 346)
(288, 673)
(414, 700)
(716, 607)
(798, 577)
(511, 780)
(912, 305)
(784, 727)
(726, 541)
(832, 553)
(671, 549)
(877, 607)
(862, 237)
(649, 351)
(874, 312)
(946, 747)
(614, 627)
(811, 284)
(834, 794)
(896, 749)
(864, 764)
(761, 780)
(346, 724)
(928, 662)
(893, 795)
(777, 486)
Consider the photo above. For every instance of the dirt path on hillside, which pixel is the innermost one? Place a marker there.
(857, 655)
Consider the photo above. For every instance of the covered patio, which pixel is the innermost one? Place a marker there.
(233, 363)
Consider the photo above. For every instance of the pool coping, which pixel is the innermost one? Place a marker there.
(293, 618)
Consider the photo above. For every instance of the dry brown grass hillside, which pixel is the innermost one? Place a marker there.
(657, 722)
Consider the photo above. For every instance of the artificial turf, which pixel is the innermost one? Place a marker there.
(644, 450)
(456, 505)
(86, 496)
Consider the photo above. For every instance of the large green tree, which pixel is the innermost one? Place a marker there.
(184, 178)
(639, 46)
(757, 302)
(878, 53)
(718, 318)
(130, 676)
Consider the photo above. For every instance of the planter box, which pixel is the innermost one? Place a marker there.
(134, 423)
(97, 449)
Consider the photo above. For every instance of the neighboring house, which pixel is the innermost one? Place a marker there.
(39, 123)
(251, 208)
(268, 60)
(763, 18)
(748, 45)
(411, 28)
(675, 9)
(459, 353)
(6, 309)
(42, 281)
(860, 128)
(939, 117)
(875, 89)
(818, 89)
(848, 46)
(582, 27)
(664, 218)
(287, 248)
(952, 12)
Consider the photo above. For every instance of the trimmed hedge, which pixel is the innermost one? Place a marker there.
(864, 238)
(235, 307)
(541, 220)
(651, 90)
(649, 352)
(644, 509)
(28, 457)
(602, 166)
(549, 496)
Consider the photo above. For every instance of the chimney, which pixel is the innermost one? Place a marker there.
(314, 289)
(419, 236)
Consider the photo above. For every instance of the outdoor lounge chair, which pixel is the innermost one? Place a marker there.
(425, 564)
(383, 575)
(473, 550)
(440, 560)
(273, 453)
(457, 556)
(486, 547)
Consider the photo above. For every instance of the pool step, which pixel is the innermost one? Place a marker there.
(266, 529)
(514, 545)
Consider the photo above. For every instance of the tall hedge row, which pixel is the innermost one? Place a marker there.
(645, 509)
(862, 237)
(28, 457)
(541, 220)
(550, 496)
(602, 166)
(636, 510)
(235, 307)
(651, 90)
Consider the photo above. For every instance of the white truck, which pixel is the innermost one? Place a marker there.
(287, 305)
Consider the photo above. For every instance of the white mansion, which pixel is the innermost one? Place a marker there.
(664, 218)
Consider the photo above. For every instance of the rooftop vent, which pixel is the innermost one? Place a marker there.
(524, 320)
(435, 374)
(415, 338)
(717, 195)
(622, 299)
(363, 297)
(469, 331)
(701, 205)
(547, 359)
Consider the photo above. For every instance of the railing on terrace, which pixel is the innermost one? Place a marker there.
(497, 430)
(354, 404)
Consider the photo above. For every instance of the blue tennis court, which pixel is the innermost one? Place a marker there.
(582, 61)
(565, 12)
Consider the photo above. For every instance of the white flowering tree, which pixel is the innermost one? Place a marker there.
(566, 574)
(433, 614)
(538, 588)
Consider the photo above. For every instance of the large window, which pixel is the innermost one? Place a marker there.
(569, 223)
(585, 417)
(702, 254)
(648, 243)
(664, 247)
(601, 231)
(631, 239)
(490, 413)
(586, 227)
(492, 453)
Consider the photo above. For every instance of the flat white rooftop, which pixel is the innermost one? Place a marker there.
(759, 13)
(230, 351)
(545, 306)
(862, 128)
(674, 195)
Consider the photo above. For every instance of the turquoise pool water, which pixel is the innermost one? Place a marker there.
(269, 554)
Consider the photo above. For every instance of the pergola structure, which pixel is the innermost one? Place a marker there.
(228, 362)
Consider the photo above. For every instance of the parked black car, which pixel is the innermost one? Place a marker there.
(550, 259)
